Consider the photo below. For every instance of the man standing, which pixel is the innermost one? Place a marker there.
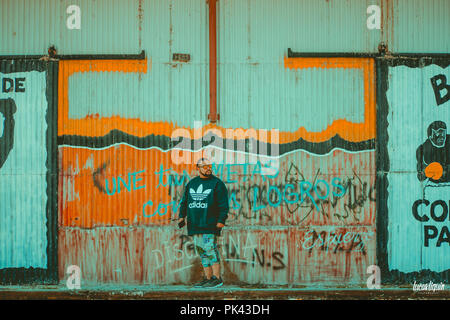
(205, 207)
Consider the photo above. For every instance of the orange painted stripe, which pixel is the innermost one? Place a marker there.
(350, 131)
(325, 63)
(69, 67)
(97, 127)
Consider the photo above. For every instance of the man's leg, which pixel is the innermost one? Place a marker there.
(200, 249)
(214, 259)
(216, 270)
(208, 272)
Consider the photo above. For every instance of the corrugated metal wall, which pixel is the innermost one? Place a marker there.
(261, 29)
(30, 27)
(284, 231)
(416, 26)
(28, 172)
(329, 212)
(414, 109)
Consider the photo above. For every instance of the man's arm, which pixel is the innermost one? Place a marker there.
(222, 199)
(183, 205)
(420, 163)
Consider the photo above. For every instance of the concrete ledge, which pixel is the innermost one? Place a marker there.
(224, 292)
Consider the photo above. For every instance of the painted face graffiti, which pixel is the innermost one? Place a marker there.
(438, 137)
(433, 160)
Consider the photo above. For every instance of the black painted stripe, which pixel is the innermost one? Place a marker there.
(293, 54)
(140, 56)
(379, 55)
(165, 143)
(53, 57)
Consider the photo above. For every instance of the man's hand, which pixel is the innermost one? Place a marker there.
(220, 225)
(181, 223)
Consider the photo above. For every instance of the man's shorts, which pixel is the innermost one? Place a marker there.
(206, 246)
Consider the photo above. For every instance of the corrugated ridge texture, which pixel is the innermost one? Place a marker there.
(23, 187)
(31, 27)
(121, 27)
(416, 26)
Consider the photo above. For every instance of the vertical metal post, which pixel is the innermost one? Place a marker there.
(212, 116)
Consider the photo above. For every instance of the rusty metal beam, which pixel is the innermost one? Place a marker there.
(213, 116)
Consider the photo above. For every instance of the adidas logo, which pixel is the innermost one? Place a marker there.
(199, 194)
(196, 204)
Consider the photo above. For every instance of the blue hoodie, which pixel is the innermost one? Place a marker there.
(204, 203)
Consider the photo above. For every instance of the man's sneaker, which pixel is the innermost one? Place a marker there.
(213, 283)
(201, 283)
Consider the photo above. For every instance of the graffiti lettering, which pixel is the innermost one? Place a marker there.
(348, 241)
(173, 179)
(170, 178)
(294, 195)
(438, 87)
(96, 175)
(255, 169)
(432, 232)
(10, 85)
(433, 209)
(276, 257)
(171, 252)
(131, 185)
(162, 208)
(231, 251)
(251, 200)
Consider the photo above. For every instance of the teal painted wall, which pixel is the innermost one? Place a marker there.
(255, 90)
(416, 26)
(262, 29)
(412, 108)
(23, 182)
(31, 27)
